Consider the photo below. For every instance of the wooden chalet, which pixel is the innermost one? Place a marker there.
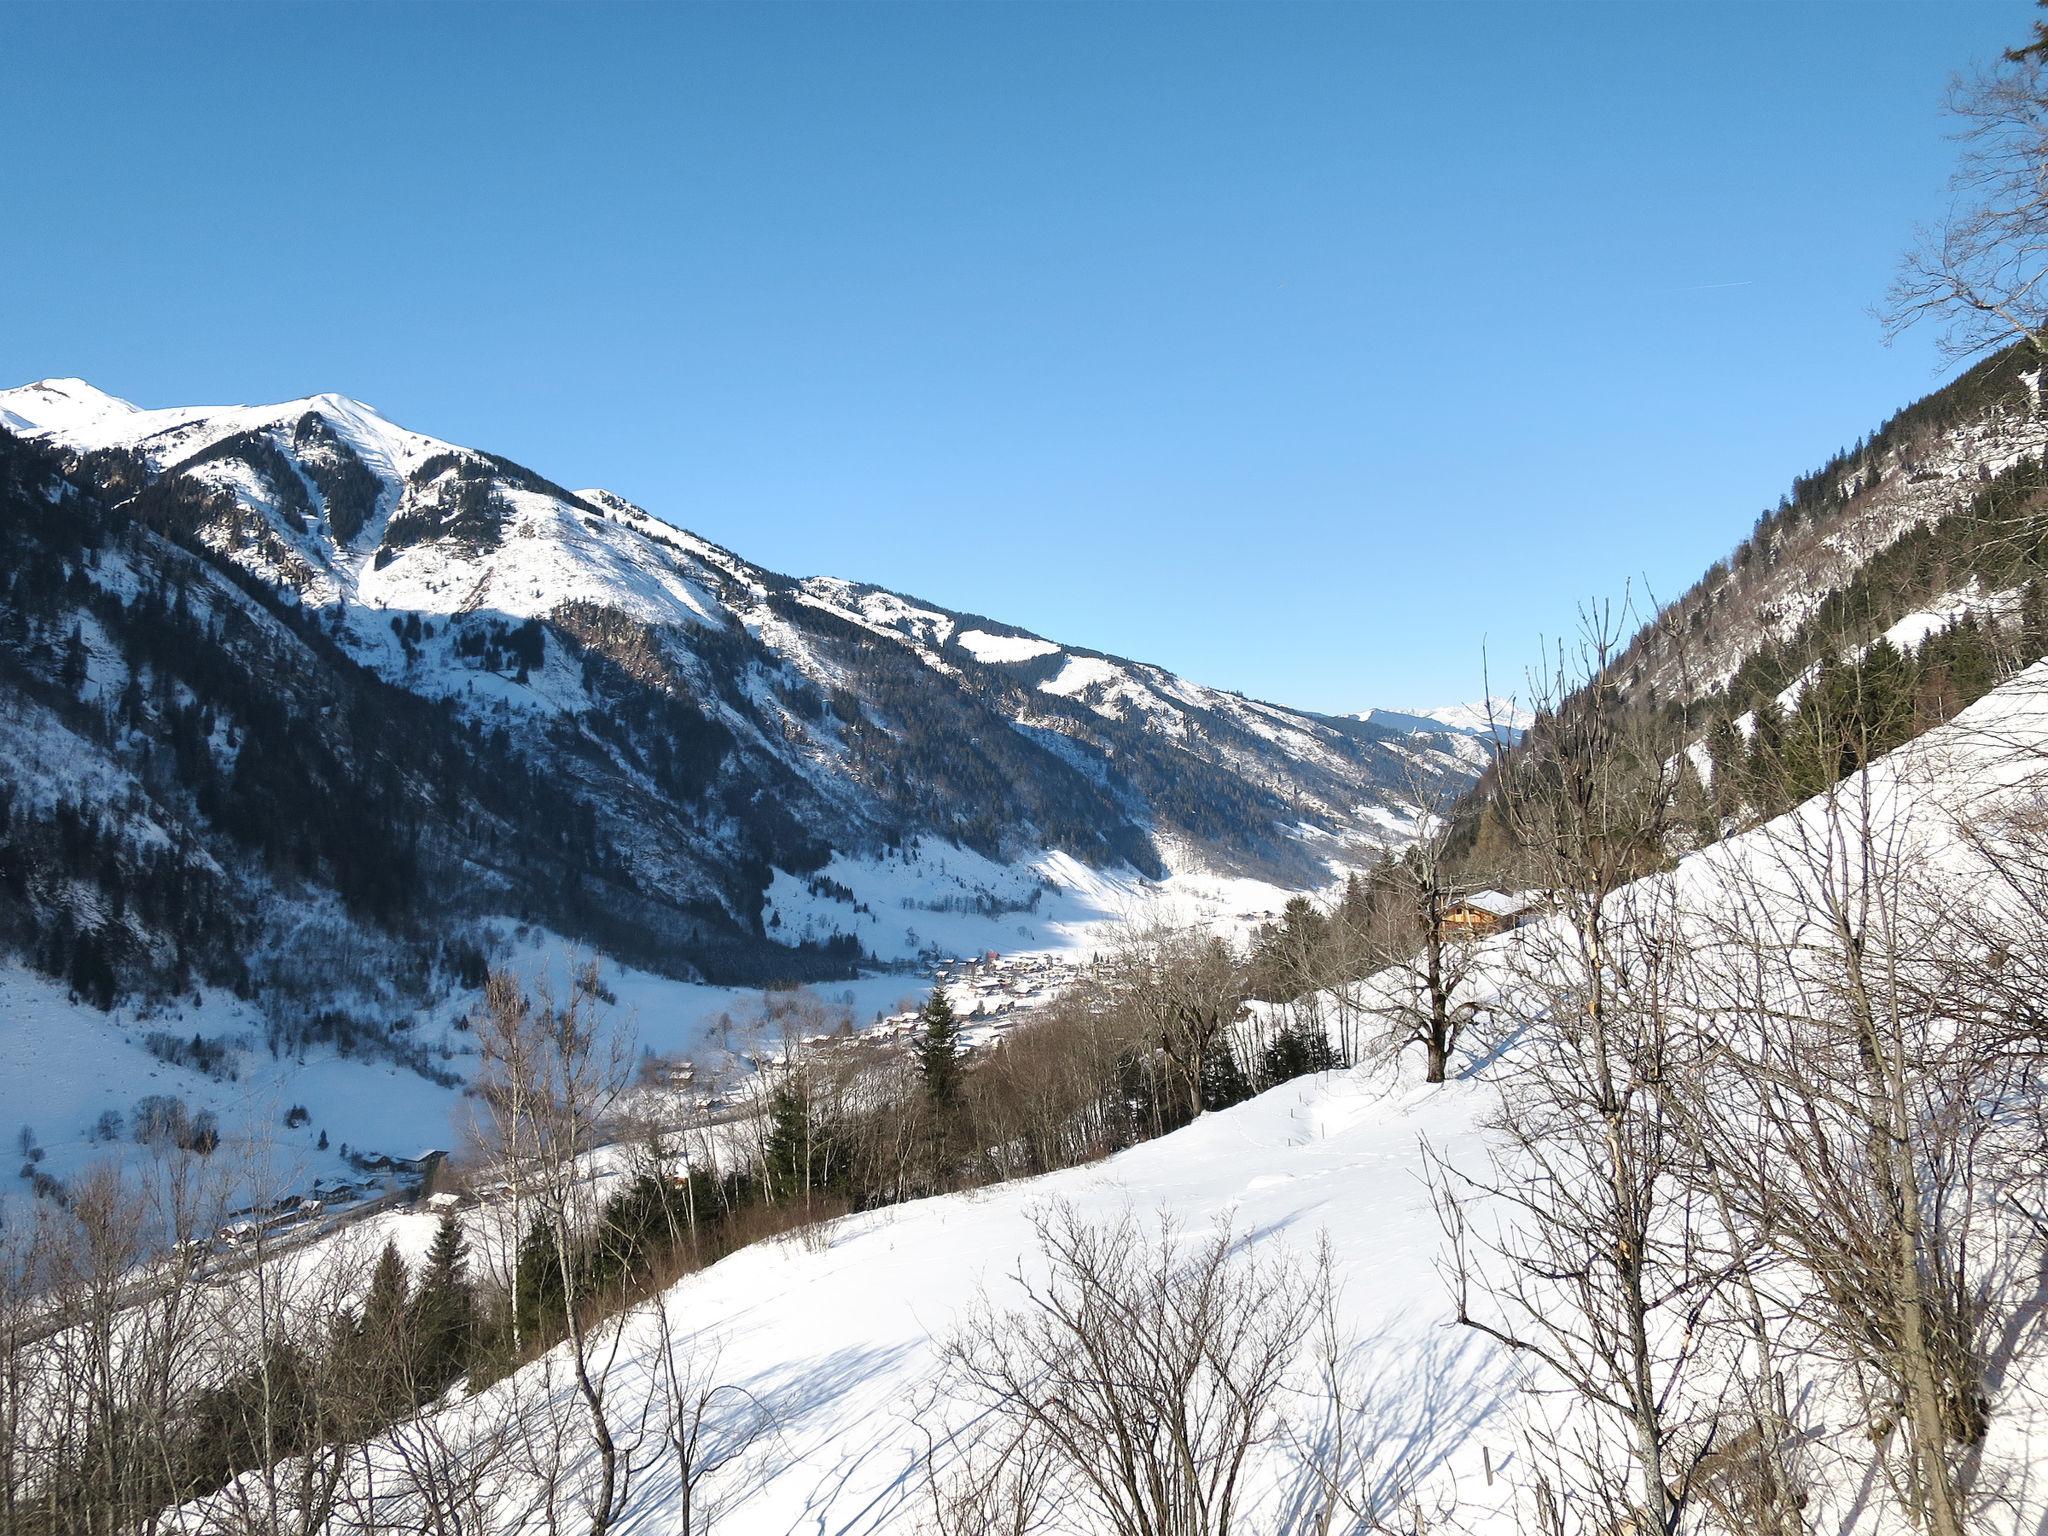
(1480, 914)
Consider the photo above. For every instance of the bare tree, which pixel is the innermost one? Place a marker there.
(447, 1471)
(707, 1424)
(1053, 1094)
(1185, 987)
(1349, 1445)
(297, 1410)
(113, 1340)
(1855, 1105)
(553, 1075)
(23, 1254)
(1580, 1246)
(1979, 272)
(997, 1486)
(1421, 992)
(1139, 1377)
(507, 1131)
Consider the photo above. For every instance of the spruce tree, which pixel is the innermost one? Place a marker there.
(384, 1332)
(442, 1314)
(938, 1051)
(802, 1149)
(538, 1294)
(2033, 615)
(388, 1290)
(73, 670)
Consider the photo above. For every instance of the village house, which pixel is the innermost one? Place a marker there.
(1483, 913)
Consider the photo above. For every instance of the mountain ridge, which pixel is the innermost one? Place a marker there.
(686, 723)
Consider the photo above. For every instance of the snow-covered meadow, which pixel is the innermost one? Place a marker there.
(840, 1338)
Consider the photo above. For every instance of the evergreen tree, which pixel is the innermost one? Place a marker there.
(938, 1052)
(1694, 805)
(1295, 1051)
(538, 1292)
(1766, 772)
(1223, 1080)
(442, 1310)
(384, 1334)
(802, 1150)
(72, 671)
(1725, 756)
(2034, 615)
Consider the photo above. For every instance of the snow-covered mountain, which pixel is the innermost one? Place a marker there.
(550, 703)
(1901, 535)
(1499, 719)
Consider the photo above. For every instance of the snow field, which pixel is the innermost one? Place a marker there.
(842, 1336)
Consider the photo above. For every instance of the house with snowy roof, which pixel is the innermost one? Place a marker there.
(1479, 914)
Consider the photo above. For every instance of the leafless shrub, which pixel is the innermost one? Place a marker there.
(1137, 1381)
(707, 1424)
(1583, 1247)
(1856, 1116)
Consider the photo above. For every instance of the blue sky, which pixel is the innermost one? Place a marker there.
(1301, 349)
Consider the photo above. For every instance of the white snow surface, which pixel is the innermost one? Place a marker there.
(841, 1338)
(1482, 717)
(984, 646)
(64, 1064)
(939, 897)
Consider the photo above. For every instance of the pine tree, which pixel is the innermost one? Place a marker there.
(442, 1311)
(938, 1052)
(2034, 614)
(802, 1152)
(72, 672)
(538, 1293)
(384, 1332)
(388, 1290)
(1223, 1080)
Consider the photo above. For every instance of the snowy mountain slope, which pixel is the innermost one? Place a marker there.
(302, 713)
(368, 522)
(1974, 438)
(840, 1339)
(1472, 731)
(1482, 717)
(73, 1074)
(840, 1344)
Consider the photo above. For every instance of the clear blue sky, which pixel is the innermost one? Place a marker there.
(1297, 348)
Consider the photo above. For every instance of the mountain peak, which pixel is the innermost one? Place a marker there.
(346, 407)
(59, 405)
(1497, 716)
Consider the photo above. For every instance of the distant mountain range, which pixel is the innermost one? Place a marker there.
(1498, 718)
(288, 660)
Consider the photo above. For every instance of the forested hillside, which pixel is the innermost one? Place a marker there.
(1887, 590)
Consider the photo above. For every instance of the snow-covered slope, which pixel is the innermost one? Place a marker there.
(1495, 716)
(304, 716)
(1472, 731)
(1928, 464)
(840, 1339)
(370, 523)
